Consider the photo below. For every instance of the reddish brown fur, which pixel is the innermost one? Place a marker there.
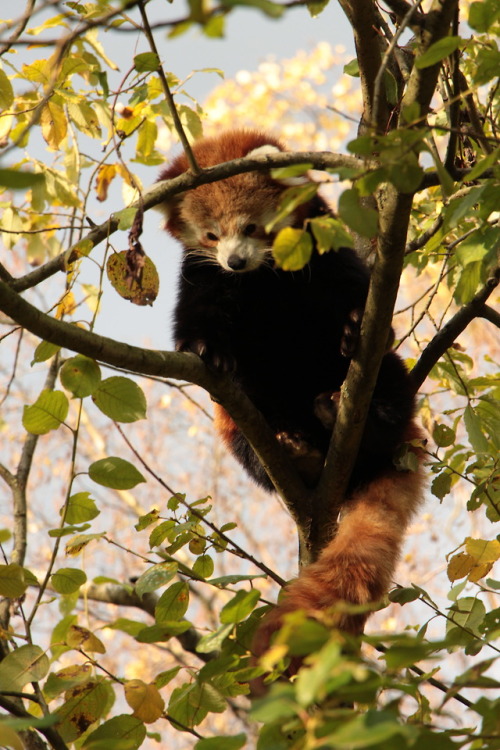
(223, 424)
(358, 564)
(234, 197)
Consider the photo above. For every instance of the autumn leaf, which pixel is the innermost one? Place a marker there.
(146, 701)
(54, 124)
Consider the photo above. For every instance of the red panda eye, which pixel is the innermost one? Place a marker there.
(249, 229)
(212, 237)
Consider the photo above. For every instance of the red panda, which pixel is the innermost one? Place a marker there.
(287, 338)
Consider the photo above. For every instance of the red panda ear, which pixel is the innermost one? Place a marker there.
(269, 148)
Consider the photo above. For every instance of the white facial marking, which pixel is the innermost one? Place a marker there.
(302, 179)
(240, 254)
(264, 150)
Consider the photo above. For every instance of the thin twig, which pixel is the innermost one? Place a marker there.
(193, 164)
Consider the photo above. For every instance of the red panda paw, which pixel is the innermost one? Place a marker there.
(308, 460)
(213, 357)
(325, 408)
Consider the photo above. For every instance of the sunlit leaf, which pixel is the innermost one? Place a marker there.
(68, 580)
(26, 664)
(54, 124)
(47, 413)
(292, 248)
(80, 375)
(116, 473)
(438, 51)
(12, 581)
(145, 700)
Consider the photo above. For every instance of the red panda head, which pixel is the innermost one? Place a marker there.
(224, 222)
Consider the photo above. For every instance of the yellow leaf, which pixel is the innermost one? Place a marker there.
(479, 571)
(105, 175)
(483, 551)
(145, 700)
(460, 566)
(66, 306)
(54, 124)
(78, 637)
(124, 172)
(9, 738)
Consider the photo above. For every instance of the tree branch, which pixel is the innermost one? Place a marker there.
(447, 335)
(50, 734)
(180, 366)
(160, 191)
(394, 215)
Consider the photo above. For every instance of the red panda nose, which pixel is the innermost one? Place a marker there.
(236, 262)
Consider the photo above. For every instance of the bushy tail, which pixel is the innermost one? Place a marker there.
(357, 566)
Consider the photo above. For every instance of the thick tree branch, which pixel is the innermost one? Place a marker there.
(173, 365)
(120, 596)
(394, 215)
(160, 191)
(448, 334)
(362, 15)
(49, 733)
(358, 387)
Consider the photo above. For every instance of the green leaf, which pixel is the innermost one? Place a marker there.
(466, 615)
(81, 508)
(190, 703)
(222, 742)
(315, 7)
(25, 664)
(240, 606)
(125, 218)
(438, 51)
(163, 632)
(173, 603)
(163, 531)
(311, 681)
(352, 68)
(204, 566)
(83, 706)
(155, 577)
(80, 375)
(441, 485)
(483, 164)
(47, 413)
(68, 580)
(474, 429)
(482, 15)
(403, 595)
(80, 541)
(120, 399)
(291, 199)
(6, 93)
(273, 10)
(407, 175)
(12, 581)
(443, 435)
(292, 248)
(131, 627)
(361, 219)
(44, 351)
(330, 233)
(213, 641)
(116, 473)
(15, 179)
(229, 580)
(146, 62)
(163, 678)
